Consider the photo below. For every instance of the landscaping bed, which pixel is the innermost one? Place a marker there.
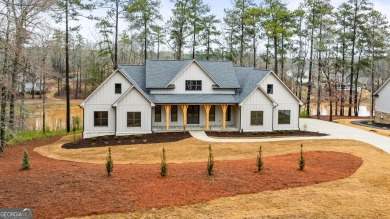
(112, 140)
(58, 189)
(288, 133)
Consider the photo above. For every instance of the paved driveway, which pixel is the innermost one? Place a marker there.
(335, 131)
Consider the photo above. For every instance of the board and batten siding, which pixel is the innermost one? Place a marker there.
(382, 102)
(257, 101)
(133, 101)
(285, 100)
(193, 72)
(102, 100)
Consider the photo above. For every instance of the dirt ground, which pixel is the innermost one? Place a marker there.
(365, 194)
(57, 189)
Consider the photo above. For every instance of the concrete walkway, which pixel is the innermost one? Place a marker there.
(335, 131)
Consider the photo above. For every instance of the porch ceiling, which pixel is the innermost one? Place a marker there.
(194, 99)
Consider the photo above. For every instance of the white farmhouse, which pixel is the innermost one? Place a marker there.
(190, 95)
(382, 103)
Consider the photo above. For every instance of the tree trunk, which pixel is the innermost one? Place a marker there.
(116, 35)
(310, 66)
(276, 55)
(352, 60)
(67, 67)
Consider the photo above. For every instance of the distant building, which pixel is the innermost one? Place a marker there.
(382, 103)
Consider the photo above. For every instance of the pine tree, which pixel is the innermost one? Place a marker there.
(109, 163)
(210, 162)
(26, 161)
(260, 161)
(164, 167)
(142, 14)
(301, 160)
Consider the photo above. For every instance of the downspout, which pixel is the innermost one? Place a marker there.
(115, 121)
(239, 125)
(299, 112)
(151, 119)
(82, 133)
(273, 113)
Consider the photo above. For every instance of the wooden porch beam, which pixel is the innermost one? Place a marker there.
(224, 109)
(207, 109)
(167, 116)
(184, 108)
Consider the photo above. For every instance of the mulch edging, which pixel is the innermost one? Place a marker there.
(58, 189)
(292, 133)
(111, 140)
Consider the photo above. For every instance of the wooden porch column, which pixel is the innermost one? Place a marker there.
(184, 108)
(207, 109)
(224, 109)
(167, 113)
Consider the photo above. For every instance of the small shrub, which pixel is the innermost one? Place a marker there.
(116, 137)
(260, 161)
(274, 132)
(254, 133)
(210, 162)
(93, 139)
(282, 132)
(126, 137)
(292, 131)
(106, 137)
(26, 161)
(109, 163)
(304, 114)
(138, 135)
(301, 160)
(164, 167)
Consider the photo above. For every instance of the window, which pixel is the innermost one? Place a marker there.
(212, 114)
(133, 119)
(157, 113)
(100, 118)
(256, 117)
(270, 88)
(174, 113)
(118, 88)
(284, 117)
(228, 113)
(193, 85)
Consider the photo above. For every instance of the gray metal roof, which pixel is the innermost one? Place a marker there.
(161, 73)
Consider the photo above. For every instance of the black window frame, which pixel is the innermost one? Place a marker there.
(118, 88)
(157, 113)
(257, 118)
(270, 88)
(132, 119)
(284, 117)
(212, 113)
(174, 110)
(99, 120)
(193, 85)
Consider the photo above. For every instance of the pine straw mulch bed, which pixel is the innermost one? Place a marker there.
(58, 189)
(112, 140)
(274, 134)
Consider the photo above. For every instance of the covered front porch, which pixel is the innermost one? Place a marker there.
(208, 117)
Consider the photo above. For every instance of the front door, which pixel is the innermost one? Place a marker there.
(193, 114)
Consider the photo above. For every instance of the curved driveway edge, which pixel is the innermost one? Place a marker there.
(335, 131)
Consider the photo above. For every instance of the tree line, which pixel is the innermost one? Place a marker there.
(320, 51)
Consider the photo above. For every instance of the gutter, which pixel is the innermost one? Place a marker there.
(82, 134)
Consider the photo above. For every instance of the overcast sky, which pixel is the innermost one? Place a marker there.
(217, 7)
